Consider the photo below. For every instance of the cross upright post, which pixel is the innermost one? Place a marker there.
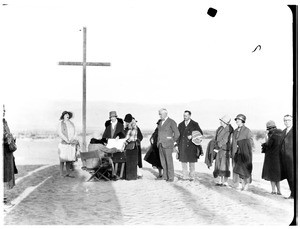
(84, 63)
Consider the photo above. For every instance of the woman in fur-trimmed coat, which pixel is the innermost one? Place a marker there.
(222, 148)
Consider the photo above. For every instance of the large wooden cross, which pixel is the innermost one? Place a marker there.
(84, 64)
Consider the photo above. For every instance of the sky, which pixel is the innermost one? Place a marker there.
(161, 52)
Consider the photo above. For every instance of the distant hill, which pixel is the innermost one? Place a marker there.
(45, 115)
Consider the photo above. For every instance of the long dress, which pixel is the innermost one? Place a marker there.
(131, 155)
(222, 144)
(67, 151)
(272, 163)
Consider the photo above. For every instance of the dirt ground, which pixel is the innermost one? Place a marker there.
(56, 200)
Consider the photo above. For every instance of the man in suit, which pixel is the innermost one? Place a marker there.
(188, 151)
(287, 154)
(168, 134)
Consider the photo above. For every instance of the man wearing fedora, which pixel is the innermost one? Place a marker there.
(240, 133)
(287, 154)
(114, 127)
(188, 151)
(167, 136)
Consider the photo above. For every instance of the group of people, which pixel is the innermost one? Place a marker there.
(235, 145)
(115, 128)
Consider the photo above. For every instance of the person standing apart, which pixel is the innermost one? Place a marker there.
(287, 154)
(240, 133)
(188, 151)
(168, 134)
(272, 163)
(69, 146)
(9, 168)
(114, 127)
(222, 148)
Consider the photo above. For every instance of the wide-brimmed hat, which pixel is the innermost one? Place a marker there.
(128, 118)
(241, 117)
(113, 114)
(66, 112)
(270, 124)
(226, 119)
(196, 137)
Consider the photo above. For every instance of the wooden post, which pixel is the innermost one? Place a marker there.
(84, 93)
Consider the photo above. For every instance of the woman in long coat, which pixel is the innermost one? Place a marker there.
(68, 148)
(9, 167)
(132, 151)
(272, 163)
(9, 146)
(240, 133)
(243, 162)
(152, 156)
(222, 148)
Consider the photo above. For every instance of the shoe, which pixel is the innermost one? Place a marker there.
(279, 193)
(139, 177)
(115, 178)
(273, 193)
(159, 178)
(70, 176)
(239, 187)
(225, 184)
(246, 187)
(170, 180)
(289, 198)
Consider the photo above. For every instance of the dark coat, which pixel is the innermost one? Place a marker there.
(243, 159)
(187, 149)
(9, 166)
(152, 155)
(210, 153)
(244, 133)
(119, 132)
(272, 163)
(287, 155)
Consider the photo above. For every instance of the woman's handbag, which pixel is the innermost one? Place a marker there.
(67, 152)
